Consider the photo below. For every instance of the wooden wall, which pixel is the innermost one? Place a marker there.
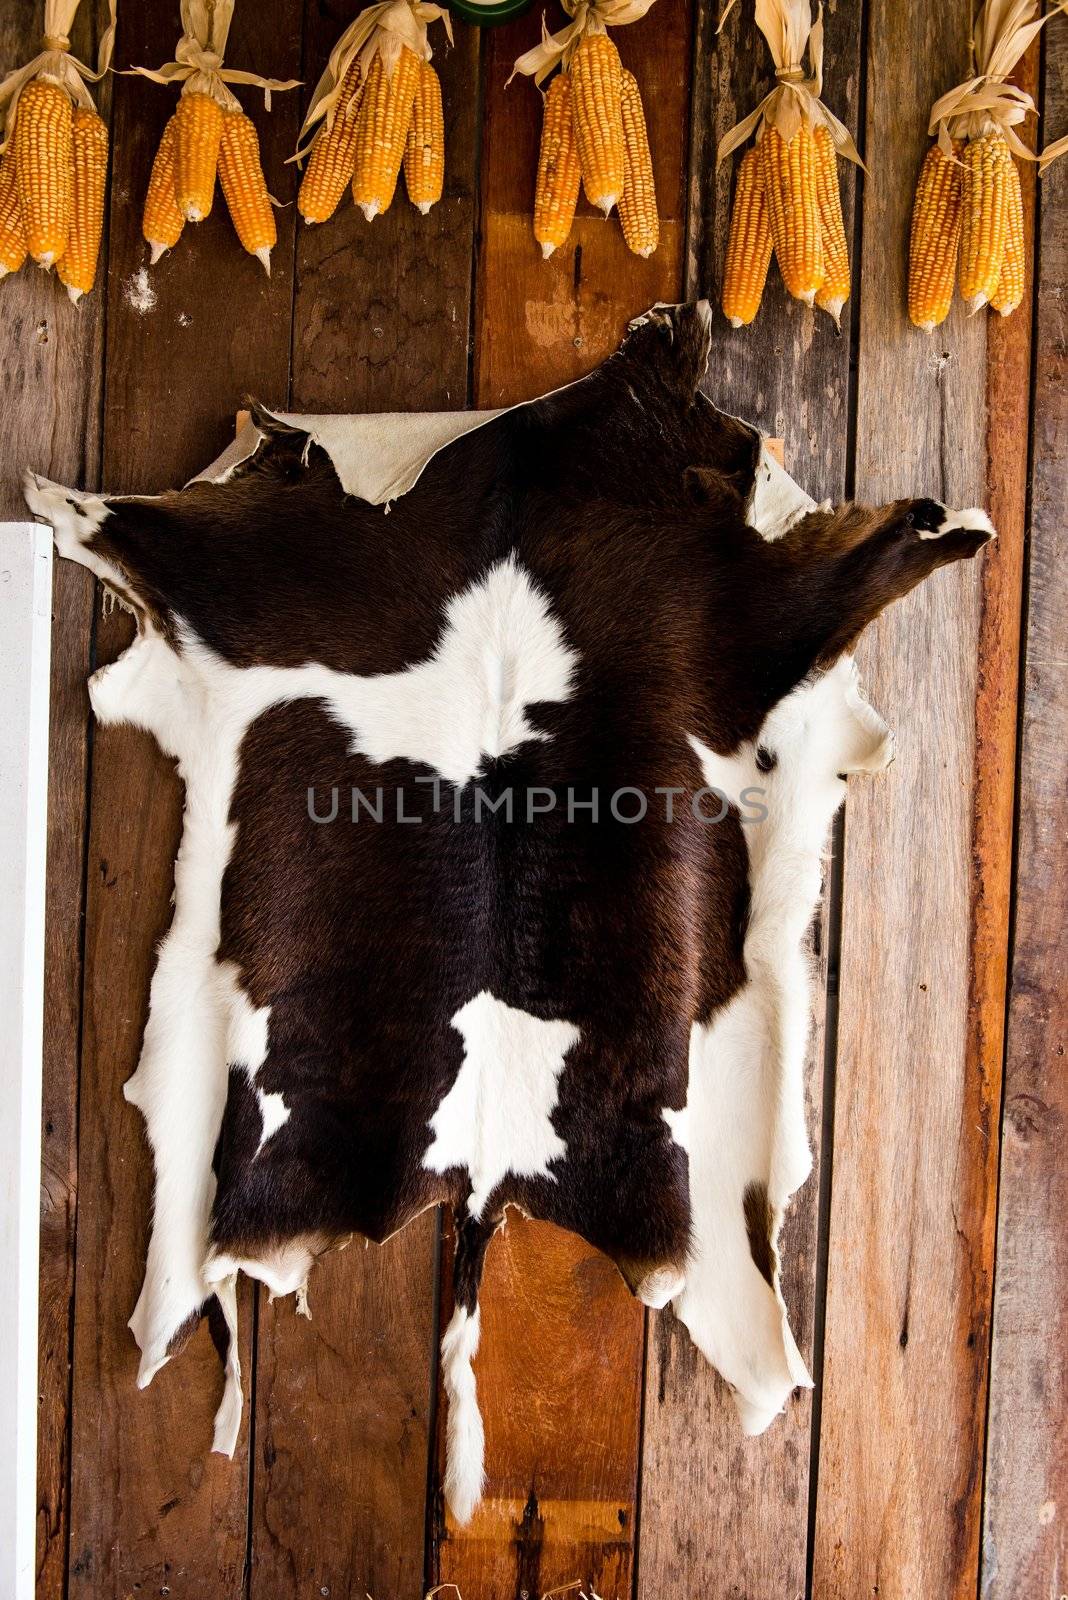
(927, 1258)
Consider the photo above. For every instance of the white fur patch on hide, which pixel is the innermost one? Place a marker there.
(465, 1436)
(497, 1117)
(744, 1119)
(500, 651)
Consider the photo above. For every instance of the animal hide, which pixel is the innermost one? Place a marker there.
(503, 826)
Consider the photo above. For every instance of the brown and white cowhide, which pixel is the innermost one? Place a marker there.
(592, 674)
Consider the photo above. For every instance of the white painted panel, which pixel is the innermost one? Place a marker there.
(25, 627)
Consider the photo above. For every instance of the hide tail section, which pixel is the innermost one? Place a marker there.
(465, 1439)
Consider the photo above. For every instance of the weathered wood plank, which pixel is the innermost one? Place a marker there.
(50, 388)
(912, 1205)
(559, 1369)
(1025, 1547)
(723, 1515)
(382, 319)
(151, 1508)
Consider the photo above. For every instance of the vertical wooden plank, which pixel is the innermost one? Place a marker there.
(381, 323)
(50, 387)
(912, 1204)
(1025, 1548)
(559, 1368)
(723, 1515)
(152, 1509)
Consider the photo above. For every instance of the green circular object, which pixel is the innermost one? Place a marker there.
(488, 15)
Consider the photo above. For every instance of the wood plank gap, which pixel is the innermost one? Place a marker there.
(833, 934)
(856, 258)
(250, 1499)
(430, 1507)
(636, 1562)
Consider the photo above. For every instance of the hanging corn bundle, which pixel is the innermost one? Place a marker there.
(786, 197)
(593, 129)
(376, 109)
(967, 215)
(208, 137)
(53, 166)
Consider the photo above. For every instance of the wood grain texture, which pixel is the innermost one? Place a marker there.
(152, 1509)
(50, 388)
(789, 372)
(912, 1204)
(381, 322)
(1025, 1547)
(559, 1368)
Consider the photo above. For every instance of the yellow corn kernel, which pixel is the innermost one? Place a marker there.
(597, 100)
(934, 238)
(833, 292)
(984, 216)
(244, 187)
(43, 144)
(382, 131)
(557, 187)
(76, 267)
(424, 152)
(197, 136)
(162, 222)
(789, 172)
(637, 204)
(333, 154)
(749, 244)
(12, 233)
(1010, 289)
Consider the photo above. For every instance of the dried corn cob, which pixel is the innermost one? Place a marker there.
(984, 216)
(789, 173)
(43, 148)
(424, 153)
(162, 222)
(197, 136)
(557, 186)
(1010, 289)
(749, 245)
(244, 187)
(935, 238)
(637, 204)
(12, 233)
(333, 154)
(833, 292)
(597, 94)
(76, 267)
(382, 131)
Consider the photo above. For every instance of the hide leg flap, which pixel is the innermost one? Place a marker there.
(465, 1436)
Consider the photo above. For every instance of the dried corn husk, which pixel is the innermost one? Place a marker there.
(55, 62)
(588, 16)
(383, 29)
(788, 28)
(1052, 152)
(987, 102)
(198, 57)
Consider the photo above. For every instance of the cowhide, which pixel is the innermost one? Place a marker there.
(503, 823)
